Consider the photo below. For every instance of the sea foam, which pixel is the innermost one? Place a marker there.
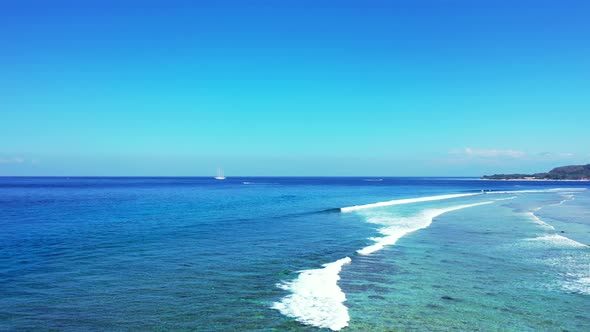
(505, 199)
(449, 196)
(557, 240)
(574, 270)
(316, 298)
(552, 190)
(398, 227)
(404, 201)
(538, 221)
(577, 283)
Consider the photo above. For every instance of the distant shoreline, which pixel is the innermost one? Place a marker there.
(561, 180)
(562, 173)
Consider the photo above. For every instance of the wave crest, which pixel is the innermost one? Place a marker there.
(404, 201)
(403, 226)
(316, 298)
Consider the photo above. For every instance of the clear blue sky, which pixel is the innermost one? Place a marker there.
(293, 87)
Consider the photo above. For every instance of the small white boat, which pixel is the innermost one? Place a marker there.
(220, 175)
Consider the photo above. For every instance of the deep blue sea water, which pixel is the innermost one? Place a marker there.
(278, 254)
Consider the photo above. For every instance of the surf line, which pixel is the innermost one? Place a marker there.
(317, 300)
(554, 238)
(538, 220)
(411, 224)
(446, 196)
(404, 201)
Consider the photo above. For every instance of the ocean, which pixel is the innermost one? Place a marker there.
(293, 254)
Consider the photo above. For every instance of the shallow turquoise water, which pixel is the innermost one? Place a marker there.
(198, 254)
(478, 269)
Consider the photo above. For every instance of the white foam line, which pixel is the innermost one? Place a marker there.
(578, 284)
(553, 238)
(404, 201)
(538, 220)
(535, 191)
(568, 197)
(558, 240)
(395, 232)
(449, 196)
(505, 199)
(316, 298)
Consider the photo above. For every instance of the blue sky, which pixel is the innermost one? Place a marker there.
(395, 88)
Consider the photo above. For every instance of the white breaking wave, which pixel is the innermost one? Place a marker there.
(505, 199)
(404, 201)
(552, 190)
(538, 221)
(553, 238)
(577, 283)
(574, 271)
(403, 226)
(316, 298)
(449, 196)
(568, 197)
(574, 275)
(557, 240)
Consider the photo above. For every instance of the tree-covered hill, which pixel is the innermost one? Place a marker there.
(572, 172)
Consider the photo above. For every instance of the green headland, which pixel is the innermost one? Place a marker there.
(571, 172)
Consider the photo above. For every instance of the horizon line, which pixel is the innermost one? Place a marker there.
(239, 176)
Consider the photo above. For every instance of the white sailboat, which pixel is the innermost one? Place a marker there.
(220, 175)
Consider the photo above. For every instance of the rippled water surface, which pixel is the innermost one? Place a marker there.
(280, 254)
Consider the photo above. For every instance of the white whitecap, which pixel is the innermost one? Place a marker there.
(552, 190)
(398, 227)
(577, 283)
(557, 241)
(538, 220)
(505, 199)
(567, 197)
(574, 270)
(404, 201)
(316, 298)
